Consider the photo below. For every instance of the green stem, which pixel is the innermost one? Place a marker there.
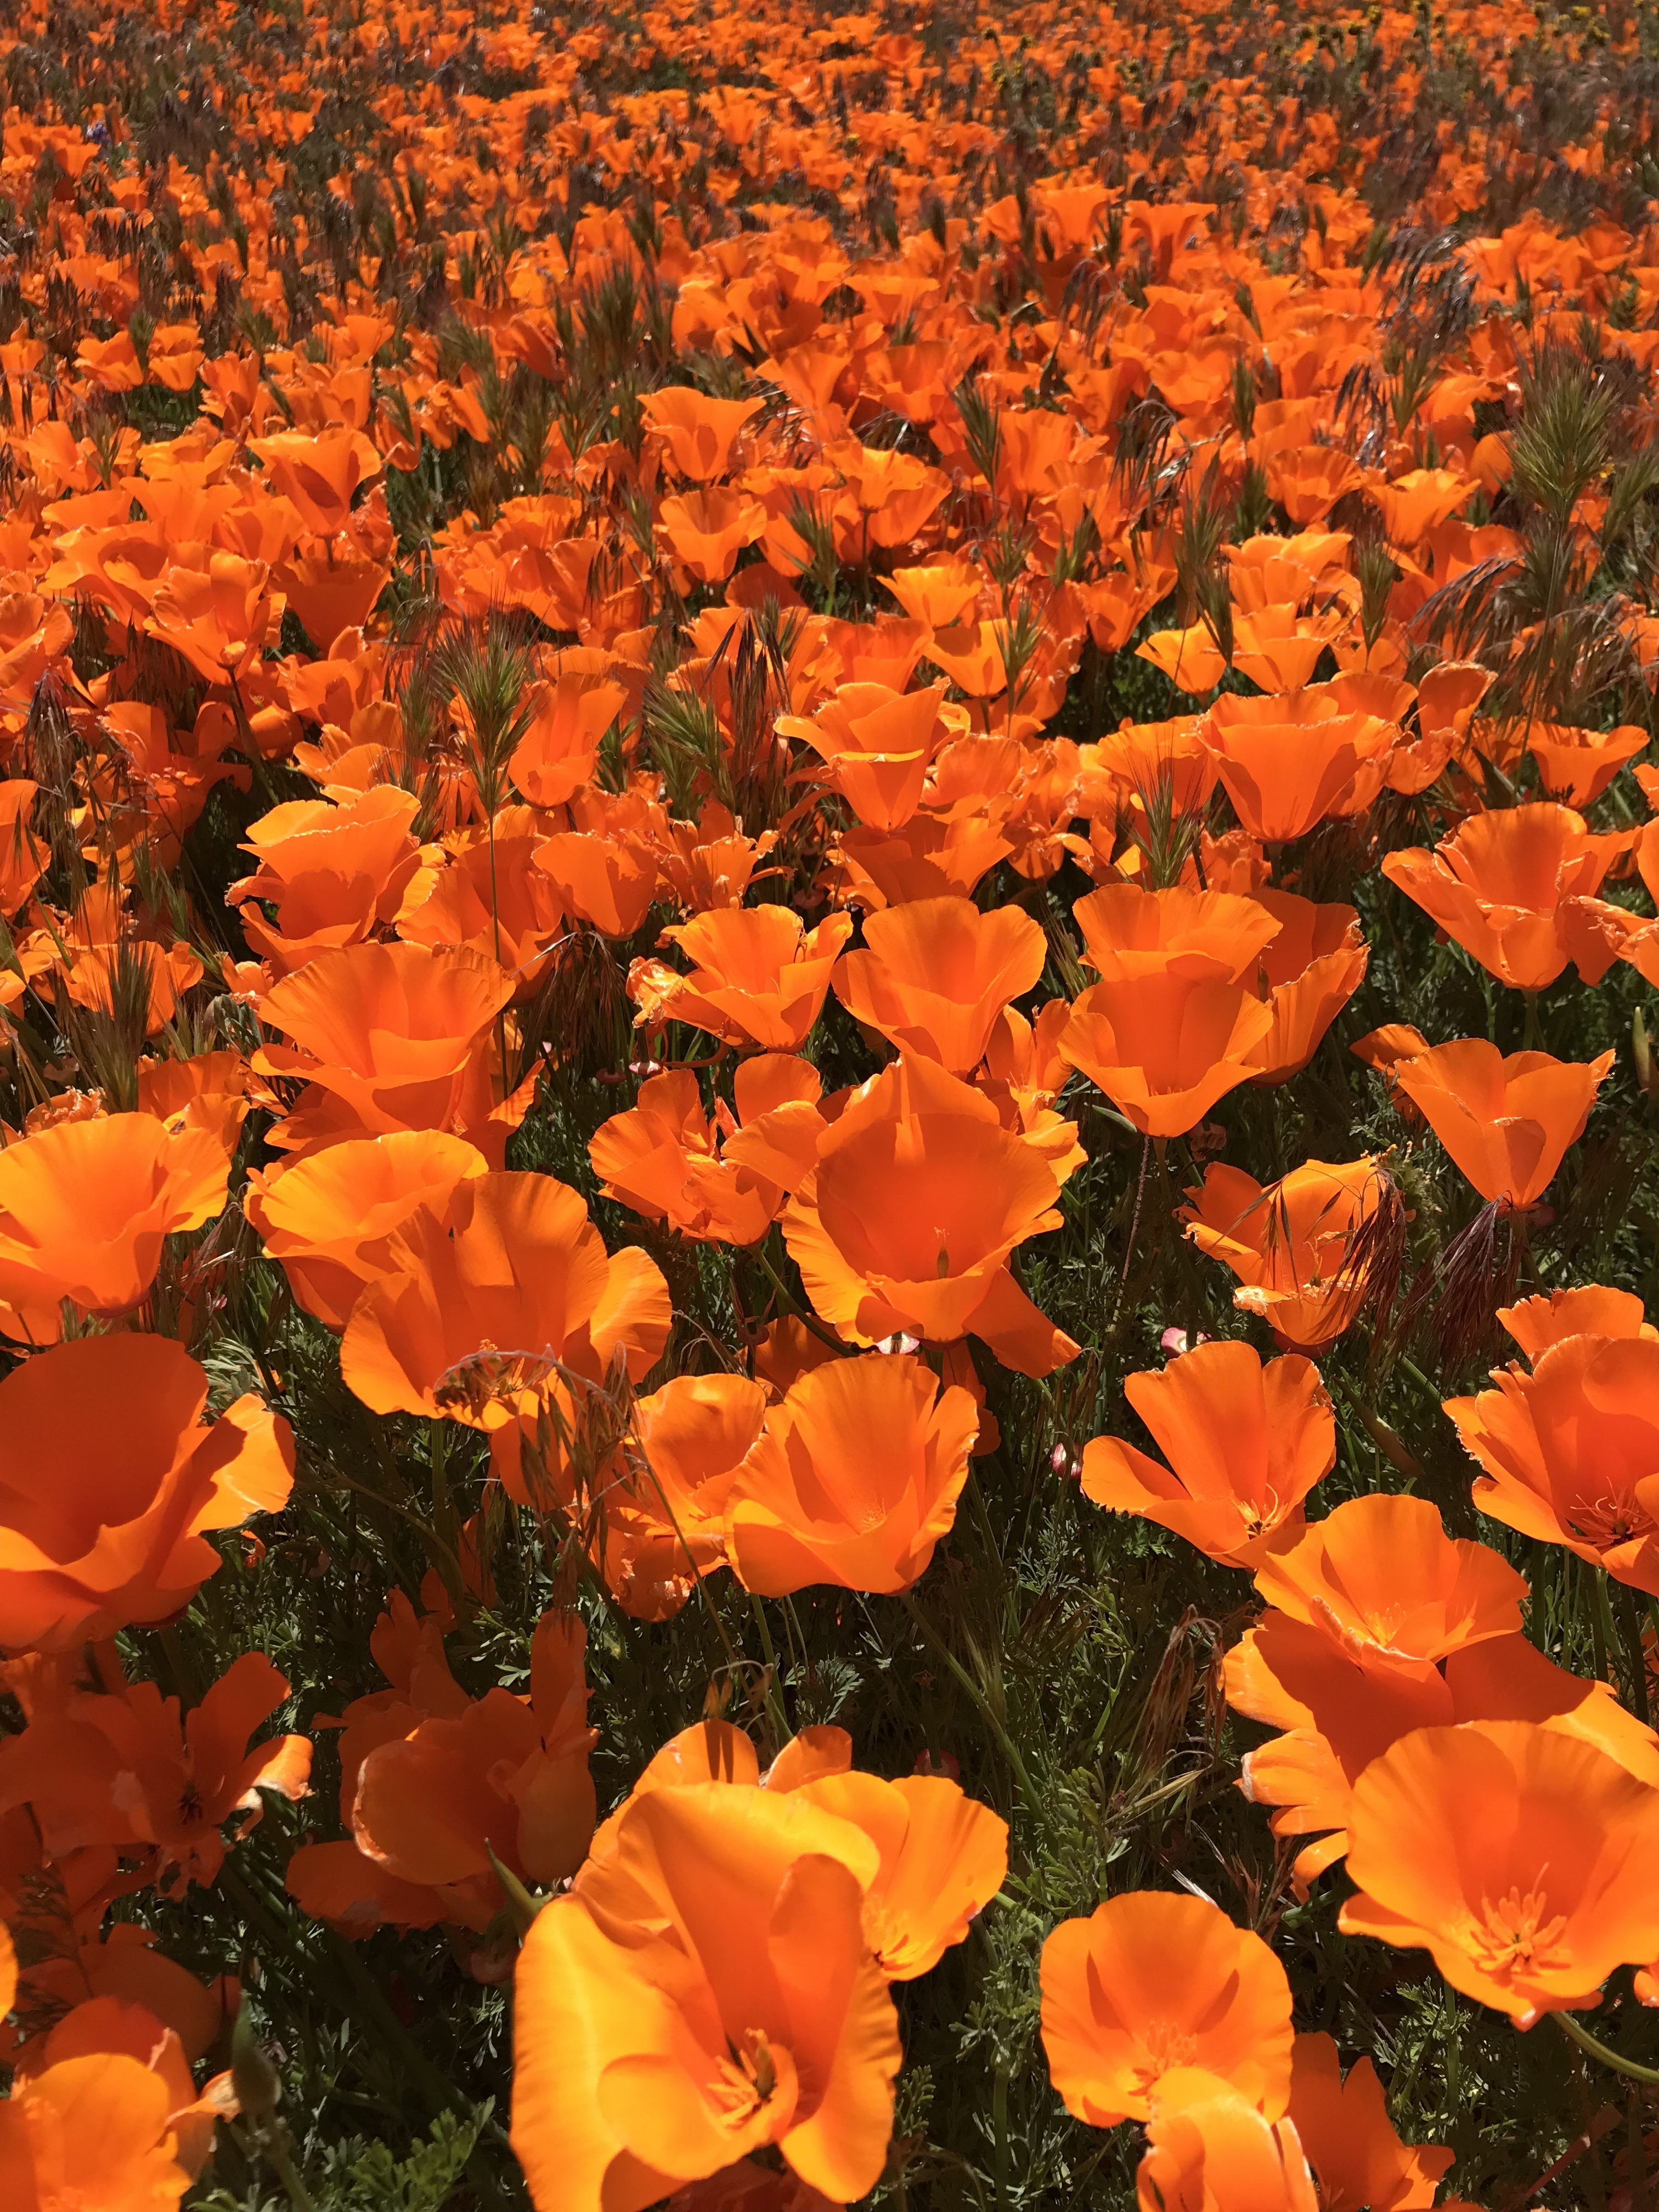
(987, 1713)
(1582, 2036)
(780, 1719)
(273, 2145)
(792, 1304)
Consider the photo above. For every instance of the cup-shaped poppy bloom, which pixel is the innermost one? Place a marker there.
(85, 1207)
(609, 881)
(758, 974)
(109, 1481)
(1164, 1048)
(906, 1224)
(1152, 1983)
(328, 1216)
(854, 1481)
(1285, 760)
(1348, 2139)
(720, 1178)
(479, 1307)
(330, 873)
(706, 1989)
(1587, 1309)
(1569, 1454)
(878, 744)
(706, 529)
(320, 474)
(1507, 1121)
(1312, 966)
(1245, 1444)
(943, 1858)
(506, 1775)
(93, 2131)
(1130, 935)
(1160, 765)
(569, 716)
(1381, 1577)
(389, 1036)
(491, 896)
(665, 1526)
(1209, 2149)
(1295, 1245)
(934, 974)
(1500, 887)
(1526, 1862)
(698, 431)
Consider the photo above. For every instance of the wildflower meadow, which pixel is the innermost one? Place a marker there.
(829, 1107)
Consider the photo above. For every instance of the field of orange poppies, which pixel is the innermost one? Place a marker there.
(828, 1136)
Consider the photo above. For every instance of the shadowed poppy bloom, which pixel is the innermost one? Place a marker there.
(667, 1526)
(1312, 966)
(1500, 887)
(906, 1222)
(1245, 1441)
(478, 1310)
(110, 1479)
(853, 1480)
(84, 1209)
(670, 1160)
(1507, 1122)
(1526, 1862)
(1293, 1244)
(609, 881)
(1569, 1453)
(328, 1216)
(935, 974)
(758, 976)
(707, 1988)
(1152, 1984)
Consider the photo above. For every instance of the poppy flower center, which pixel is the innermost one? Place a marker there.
(748, 2078)
(1167, 2045)
(1512, 1936)
(1613, 1518)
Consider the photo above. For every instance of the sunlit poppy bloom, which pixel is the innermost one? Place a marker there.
(665, 1526)
(111, 2026)
(110, 1479)
(94, 2132)
(492, 896)
(85, 1208)
(1294, 1245)
(1154, 1983)
(706, 1989)
(609, 881)
(853, 1480)
(878, 744)
(706, 1176)
(1498, 887)
(934, 974)
(1342, 2124)
(1130, 935)
(482, 1305)
(1507, 1122)
(320, 474)
(1587, 1309)
(706, 529)
(327, 1218)
(1208, 2149)
(1569, 1453)
(1165, 1048)
(1245, 1444)
(906, 1222)
(758, 976)
(1380, 1577)
(1312, 966)
(1285, 760)
(1526, 1862)
(569, 716)
(330, 874)
(698, 431)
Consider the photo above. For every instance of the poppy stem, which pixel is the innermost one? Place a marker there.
(792, 1304)
(775, 1713)
(1608, 2057)
(987, 1712)
(1134, 1228)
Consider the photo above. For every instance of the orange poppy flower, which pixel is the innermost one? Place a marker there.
(936, 973)
(1526, 1862)
(119, 1767)
(557, 755)
(503, 1774)
(698, 431)
(853, 1480)
(906, 1222)
(879, 744)
(1507, 1122)
(1569, 1453)
(84, 1209)
(1380, 1577)
(1292, 1243)
(94, 2131)
(707, 1177)
(758, 976)
(389, 1036)
(321, 475)
(665, 1527)
(1312, 966)
(109, 2027)
(109, 1480)
(1164, 1048)
(1348, 2139)
(478, 1310)
(1152, 1984)
(1285, 760)
(1499, 887)
(706, 529)
(609, 881)
(328, 1216)
(1130, 935)
(1209, 2150)
(1245, 1442)
(1588, 1310)
(1165, 763)
(331, 872)
(706, 1989)
(22, 855)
